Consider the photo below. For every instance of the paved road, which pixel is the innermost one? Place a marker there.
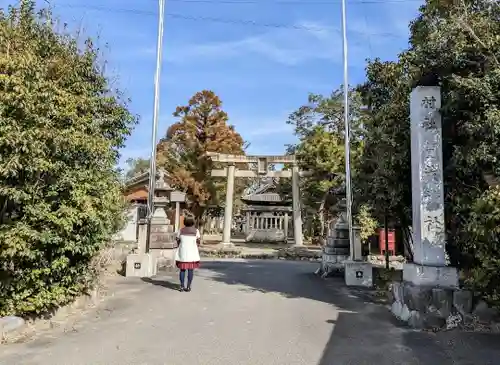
(247, 313)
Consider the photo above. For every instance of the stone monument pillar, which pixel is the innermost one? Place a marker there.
(429, 267)
(425, 297)
(297, 214)
(228, 211)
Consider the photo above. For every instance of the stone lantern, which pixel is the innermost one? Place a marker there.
(337, 251)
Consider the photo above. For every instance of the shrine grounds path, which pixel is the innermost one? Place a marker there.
(246, 313)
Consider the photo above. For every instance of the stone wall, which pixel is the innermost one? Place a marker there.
(165, 259)
(266, 235)
(120, 250)
(437, 308)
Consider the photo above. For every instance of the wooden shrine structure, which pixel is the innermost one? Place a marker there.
(267, 215)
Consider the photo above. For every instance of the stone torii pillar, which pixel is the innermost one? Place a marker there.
(228, 209)
(297, 209)
(262, 162)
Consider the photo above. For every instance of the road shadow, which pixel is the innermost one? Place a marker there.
(364, 332)
(358, 339)
(165, 282)
(291, 279)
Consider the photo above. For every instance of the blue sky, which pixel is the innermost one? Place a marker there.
(262, 57)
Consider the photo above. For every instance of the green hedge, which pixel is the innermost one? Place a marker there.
(60, 130)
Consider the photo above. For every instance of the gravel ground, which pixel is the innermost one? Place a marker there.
(246, 312)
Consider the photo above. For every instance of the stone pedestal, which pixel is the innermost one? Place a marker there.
(161, 234)
(430, 307)
(358, 273)
(337, 250)
(141, 265)
(428, 297)
(435, 276)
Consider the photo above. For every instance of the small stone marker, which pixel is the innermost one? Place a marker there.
(358, 273)
(141, 265)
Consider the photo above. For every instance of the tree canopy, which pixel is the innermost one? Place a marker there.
(319, 127)
(454, 45)
(202, 127)
(61, 126)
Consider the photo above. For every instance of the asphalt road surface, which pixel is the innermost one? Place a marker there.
(246, 313)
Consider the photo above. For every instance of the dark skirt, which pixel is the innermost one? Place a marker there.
(187, 265)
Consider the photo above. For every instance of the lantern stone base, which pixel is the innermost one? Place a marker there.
(358, 273)
(143, 265)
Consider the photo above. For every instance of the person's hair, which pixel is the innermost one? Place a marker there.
(188, 221)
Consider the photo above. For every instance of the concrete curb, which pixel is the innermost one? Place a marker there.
(13, 328)
(11, 324)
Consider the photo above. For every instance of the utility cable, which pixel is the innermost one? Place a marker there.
(213, 19)
(290, 2)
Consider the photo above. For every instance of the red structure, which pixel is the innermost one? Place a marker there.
(392, 241)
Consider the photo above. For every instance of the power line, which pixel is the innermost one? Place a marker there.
(216, 20)
(368, 38)
(247, 22)
(290, 2)
(268, 25)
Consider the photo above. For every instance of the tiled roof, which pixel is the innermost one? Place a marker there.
(265, 197)
(144, 177)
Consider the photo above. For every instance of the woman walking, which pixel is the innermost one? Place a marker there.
(187, 256)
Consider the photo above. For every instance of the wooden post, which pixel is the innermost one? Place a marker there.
(386, 224)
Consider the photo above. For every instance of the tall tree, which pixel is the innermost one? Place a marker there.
(455, 45)
(202, 127)
(61, 126)
(468, 71)
(319, 126)
(382, 175)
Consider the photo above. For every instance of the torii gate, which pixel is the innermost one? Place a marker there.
(262, 171)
